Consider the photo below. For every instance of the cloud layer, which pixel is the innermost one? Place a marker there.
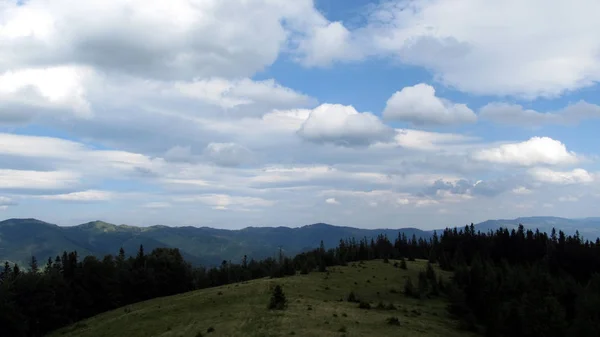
(233, 113)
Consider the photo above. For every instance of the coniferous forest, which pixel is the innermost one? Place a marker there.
(505, 283)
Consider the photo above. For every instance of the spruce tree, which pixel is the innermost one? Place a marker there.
(33, 265)
(278, 300)
(403, 263)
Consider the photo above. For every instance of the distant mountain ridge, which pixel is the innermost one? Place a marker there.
(22, 238)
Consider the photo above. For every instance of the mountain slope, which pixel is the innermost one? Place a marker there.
(22, 238)
(589, 228)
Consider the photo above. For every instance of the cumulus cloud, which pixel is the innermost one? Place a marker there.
(486, 49)
(227, 154)
(182, 40)
(420, 106)
(514, 114)
(343, 125)
(26, 93)
(332, 201)
(327, 43)
(576, 176)
(535, 151)
(464, 187)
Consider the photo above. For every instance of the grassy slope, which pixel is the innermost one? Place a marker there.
(240, 309)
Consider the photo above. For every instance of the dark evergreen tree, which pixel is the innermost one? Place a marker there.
(278, 300)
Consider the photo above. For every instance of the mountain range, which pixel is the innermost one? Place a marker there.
(22, 238)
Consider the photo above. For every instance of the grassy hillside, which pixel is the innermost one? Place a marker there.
(314, 309)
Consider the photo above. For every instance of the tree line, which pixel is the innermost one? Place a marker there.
(505, 283)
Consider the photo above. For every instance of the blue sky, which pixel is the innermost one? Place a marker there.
(365, 113)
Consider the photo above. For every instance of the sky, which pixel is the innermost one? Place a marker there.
(231, 113)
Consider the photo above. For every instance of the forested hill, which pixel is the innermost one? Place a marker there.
(22, 238)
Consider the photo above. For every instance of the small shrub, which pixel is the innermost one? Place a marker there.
(396, 265)
(210, 329)
(342, 329)
(390, 307)
(403, 264)
(278, 300)
(409, 288)
(344, 314)
(220, 293)
(309, 308)
(335, 315)
(364, 305)
(199, 334)
(326, 322)
(393, 291)
(393, 321)
(368, 281)
(430, 273)
(380, 306)
(352, 297)
(386, 260)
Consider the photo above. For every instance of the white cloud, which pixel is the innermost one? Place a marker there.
(226, 202)
(6, 202)
(332, 201)
(227, 154)
(184, 39)
(37, 180)
(576, 176)
(83, 196)
(23, 93)
(419, 105)
(229, 94)
(568, 198)
(487, 48)
(521, 190)
(327, 43)
(535, 151)
(388, 198)
(514, 114)
(428, 141)
(343, 125)
(39, 147)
